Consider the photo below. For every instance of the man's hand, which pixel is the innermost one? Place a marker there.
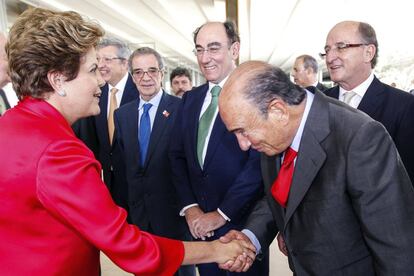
(191, 214)
(207, 223)
(243, 262)
(281, 244)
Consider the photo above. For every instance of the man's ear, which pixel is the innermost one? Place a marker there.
(235, 50)
(369, 52)
(277, 110)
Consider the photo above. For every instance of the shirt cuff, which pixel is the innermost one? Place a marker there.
(253, 239)
(223, 215)
(182, 212)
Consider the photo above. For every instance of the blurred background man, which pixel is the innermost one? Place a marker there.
(180, 80)
(305, 73)
(351, 53)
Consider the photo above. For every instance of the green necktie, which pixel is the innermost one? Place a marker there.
(205, 122)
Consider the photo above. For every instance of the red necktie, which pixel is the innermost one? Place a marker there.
(281, 186)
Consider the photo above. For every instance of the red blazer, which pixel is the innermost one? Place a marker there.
(56, 213)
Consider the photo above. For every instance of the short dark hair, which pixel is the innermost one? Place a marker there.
(368, 35)
(145, 51)
(309, 62)
(180, 71)
(41, 41)
(269, 84)
(231, 31)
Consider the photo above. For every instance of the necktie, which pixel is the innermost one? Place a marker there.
(112, 106)
(348, 96)
(144, 132)
(205, 122)
(281, 186)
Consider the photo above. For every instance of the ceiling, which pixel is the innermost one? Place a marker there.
(275, 31)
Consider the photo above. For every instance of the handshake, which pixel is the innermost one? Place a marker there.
(233, 252)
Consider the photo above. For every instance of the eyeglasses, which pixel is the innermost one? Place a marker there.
(212, 50)
(108, 59)
(340, 47)
(139, 73)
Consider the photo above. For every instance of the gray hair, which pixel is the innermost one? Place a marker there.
(146, 51)
(272, 83)
(309, 61)
(123, 49)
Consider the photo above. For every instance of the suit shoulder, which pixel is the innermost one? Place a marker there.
(126, 108)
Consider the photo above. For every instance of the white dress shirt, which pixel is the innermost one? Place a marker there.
(359, 90)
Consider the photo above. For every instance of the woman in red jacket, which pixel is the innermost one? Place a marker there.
(55, 212)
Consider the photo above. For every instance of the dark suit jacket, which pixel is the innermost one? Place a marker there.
(393, 108)
(321, 87)
(151, 195)
(230, 179)
(93, 131)
(350, 207)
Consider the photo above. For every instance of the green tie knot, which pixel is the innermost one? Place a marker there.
(215, 91)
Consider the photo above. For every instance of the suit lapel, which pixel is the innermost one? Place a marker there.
(311, 155)
(219, 129)
(159, 125)
(372, 101)
(102, 119)
(196, 110)
(131, 120)
(130, 91)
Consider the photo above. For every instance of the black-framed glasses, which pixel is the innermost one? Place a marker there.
(139, 73)
(340, 47)
(108, 59)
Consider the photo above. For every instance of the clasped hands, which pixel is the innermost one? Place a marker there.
(235, 250)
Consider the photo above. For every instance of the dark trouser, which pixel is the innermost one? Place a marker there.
(186, 270)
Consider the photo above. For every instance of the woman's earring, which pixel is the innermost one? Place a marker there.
(61, 93)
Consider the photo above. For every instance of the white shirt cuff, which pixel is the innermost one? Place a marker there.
(182, 212)
(223, 215)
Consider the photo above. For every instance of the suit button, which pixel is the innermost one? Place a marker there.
(112, 169)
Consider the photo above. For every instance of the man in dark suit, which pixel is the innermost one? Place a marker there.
(351, 54)
(305, 73)
(150, 194)
(95, 131)
(217, 183)
(335, 186)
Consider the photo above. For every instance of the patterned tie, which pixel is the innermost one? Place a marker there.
(112, 106)
(205, 122)
(144, 132)
(281, 186)
(348, 96)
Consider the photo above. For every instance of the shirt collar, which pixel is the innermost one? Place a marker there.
(298, 136)
(360, 89)
(155, 101)
(121, 84)
(221, 84)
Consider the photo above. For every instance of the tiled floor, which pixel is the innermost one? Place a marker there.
(278, 265)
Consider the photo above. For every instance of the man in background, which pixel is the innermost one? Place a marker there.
(217, 183)
(143, 133)
(180, 80)
(305, 73)
(351, 52)
(97, 132)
